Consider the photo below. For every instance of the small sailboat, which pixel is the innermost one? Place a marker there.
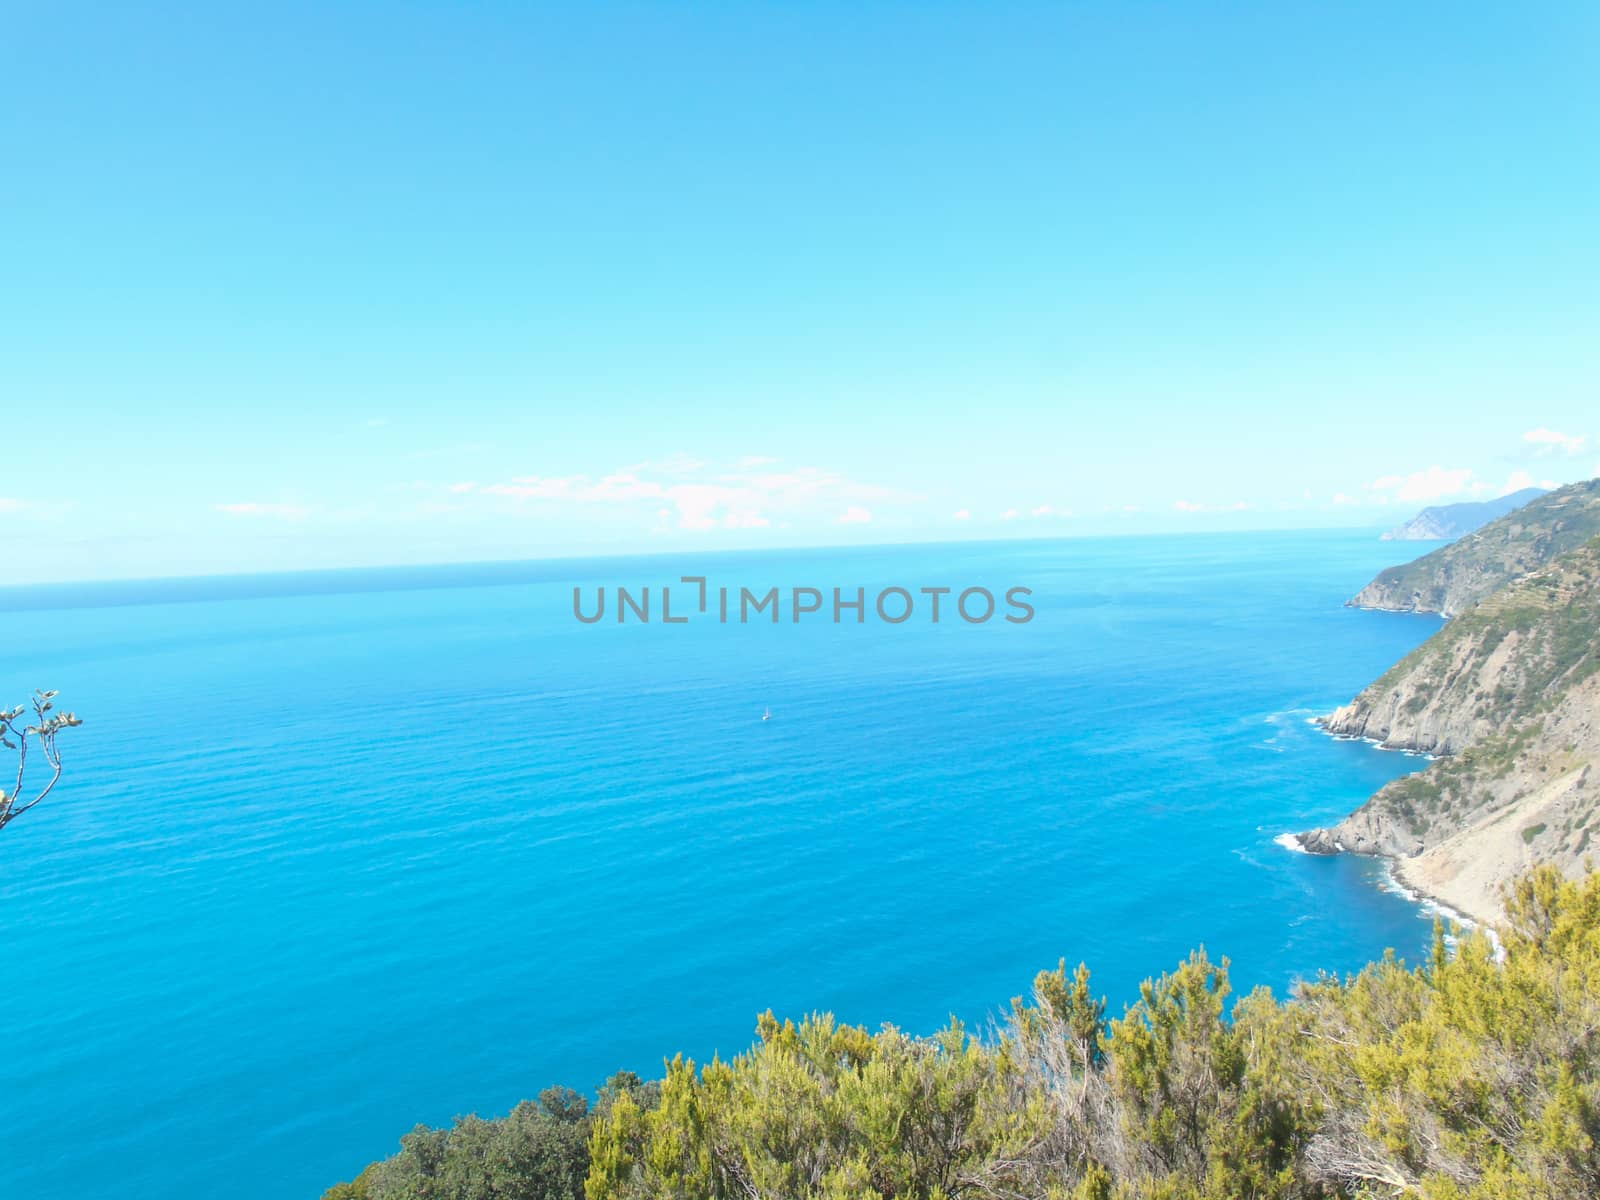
(766, 714)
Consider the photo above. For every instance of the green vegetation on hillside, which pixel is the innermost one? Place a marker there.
(1455, 577)
(1466, 1078)
(1555, 615)
(1506, 692)
(537, 1152)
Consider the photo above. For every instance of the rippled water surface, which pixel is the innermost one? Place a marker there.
(341, 852)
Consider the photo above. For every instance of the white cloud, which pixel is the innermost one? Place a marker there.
(1010, 514)
(252, 508)
(961, 514)
(538, 487)
(699, 504)
(854, 515)
(751, 461)
(808, 482)
(1550, 441)
(1433, 484)
(1439, 484)
(1191, 506)
(461, 489)
(737, 499)
(1341, 499)
(9, 504)
(623, 485)
(1521, 479)
(1044, 510)
(673, 464)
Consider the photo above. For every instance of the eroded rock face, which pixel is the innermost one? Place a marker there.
(1445, 700)
(1508, 694)
(1320, 841)
(1471, 822)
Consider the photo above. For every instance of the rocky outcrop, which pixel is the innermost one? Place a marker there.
(1471, 822)
(1508, 695)
(1444, 522)
(1441, 702)
(1453, 578)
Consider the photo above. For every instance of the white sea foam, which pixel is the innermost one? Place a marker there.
(1376, 743)
(1291, 841)
(1390, 882)
(1430, 907)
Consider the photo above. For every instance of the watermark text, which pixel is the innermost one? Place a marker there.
(694, 598)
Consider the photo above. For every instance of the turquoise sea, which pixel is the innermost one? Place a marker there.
(344, 851)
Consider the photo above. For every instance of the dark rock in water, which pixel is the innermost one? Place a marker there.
(1319, 841)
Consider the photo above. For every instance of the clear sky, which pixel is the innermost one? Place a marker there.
(308, 284)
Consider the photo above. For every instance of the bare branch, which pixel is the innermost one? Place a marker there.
(45, 728)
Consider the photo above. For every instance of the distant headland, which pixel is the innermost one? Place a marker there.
(1506, 695)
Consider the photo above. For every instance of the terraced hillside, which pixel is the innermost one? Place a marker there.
(1455, 577)
(1509, 695)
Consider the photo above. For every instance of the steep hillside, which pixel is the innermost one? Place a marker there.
(1509, 694)
(1442, 521)
(1455, 577)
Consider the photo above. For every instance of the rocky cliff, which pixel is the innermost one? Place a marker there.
(1455, 577)
(1509, 695)
(1448, 521)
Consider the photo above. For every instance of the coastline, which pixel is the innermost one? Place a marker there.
(1325, 722)
(1426, 895)
(1451, 911)
(1396, 880)
(1376, 743)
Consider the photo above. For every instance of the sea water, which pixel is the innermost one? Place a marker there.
(340, 852)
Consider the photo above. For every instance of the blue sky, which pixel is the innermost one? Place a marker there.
(311, 285)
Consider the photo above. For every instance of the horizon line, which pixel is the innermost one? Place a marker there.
(590, 556)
